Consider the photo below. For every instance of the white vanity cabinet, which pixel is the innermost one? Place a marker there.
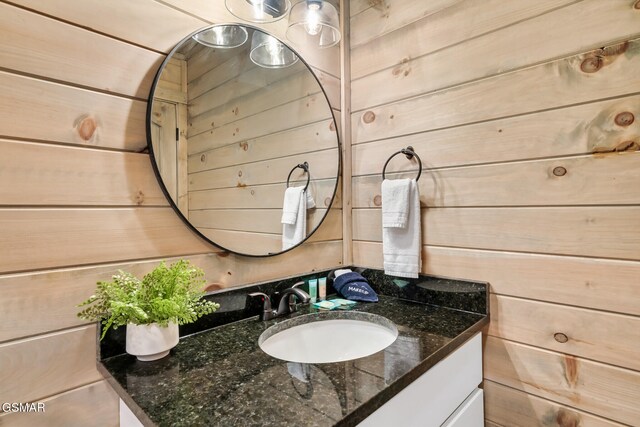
(445, 395)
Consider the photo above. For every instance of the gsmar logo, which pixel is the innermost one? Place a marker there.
(23, 407)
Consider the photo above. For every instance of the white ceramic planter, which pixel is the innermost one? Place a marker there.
(151, 342)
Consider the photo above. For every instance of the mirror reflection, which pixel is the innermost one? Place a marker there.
(243, 140)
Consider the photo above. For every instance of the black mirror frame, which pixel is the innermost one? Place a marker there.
(157, 171)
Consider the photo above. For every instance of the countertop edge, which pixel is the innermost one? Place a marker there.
(122, 394)
(366, 409)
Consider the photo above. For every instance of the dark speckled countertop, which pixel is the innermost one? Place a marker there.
(220, 377)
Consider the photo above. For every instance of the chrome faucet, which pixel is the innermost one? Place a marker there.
(285, 301)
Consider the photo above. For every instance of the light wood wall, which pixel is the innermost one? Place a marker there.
(527, 118)
(79, 199)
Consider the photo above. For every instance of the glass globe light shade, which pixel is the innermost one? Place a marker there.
(259, 11)
(314, 23)
(269, 52)
(222, 36)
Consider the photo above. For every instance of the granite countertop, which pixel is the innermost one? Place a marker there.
(221, 377)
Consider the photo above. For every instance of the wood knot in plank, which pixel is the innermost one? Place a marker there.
(240, 173)
(327, 201)
(559, 171)
(627, 146)
(377, 200)
(139, 197)
(244, 146)
(214, 287)
(625, 118)
(203, 158)
(560, 337)
(369, 117)
(332, 126)
(567, 418)
(222, 254)
(591, 64)
(86, 127)
(571, 370)
(637, 5)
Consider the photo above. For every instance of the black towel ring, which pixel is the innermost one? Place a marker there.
(305, 167)
(410, 153)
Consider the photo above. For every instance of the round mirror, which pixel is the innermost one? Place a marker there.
(243, 140)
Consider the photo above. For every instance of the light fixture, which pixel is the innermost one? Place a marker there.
(222, 36)
(314, 23)
(260, 11)
(269, 52)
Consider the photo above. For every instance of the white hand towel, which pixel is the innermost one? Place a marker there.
(292, 234)
(310, 202)
(401, 247)
(395, 202)
(291, 204)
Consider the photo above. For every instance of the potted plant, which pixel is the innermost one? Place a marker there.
(151, 308)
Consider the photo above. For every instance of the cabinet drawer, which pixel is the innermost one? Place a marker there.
(470, 413)
(433, 397)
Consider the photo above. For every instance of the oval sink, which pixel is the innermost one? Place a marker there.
(328, 337)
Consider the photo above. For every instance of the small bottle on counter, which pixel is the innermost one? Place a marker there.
(322, 288)
(313, 289)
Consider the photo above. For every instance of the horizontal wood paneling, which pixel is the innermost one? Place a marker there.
(318, 136)
(69, 78)
(34, 303)
(260, 196)
(48, 238)
(261, 220)
(513, 408)
(148, 23)
(541, 87)
(304, 111)
(39, 367)
(553, 35)
(322, 165)
(603, 231)
(94, 404)
(606, 337)
(610, 285)
(56, 50)
(587, 181)
(589, 128)
(386, 16)
(41, 174)
(69, 115)
(443, 29)
(260, 243)
(589, 386)
(494, 97)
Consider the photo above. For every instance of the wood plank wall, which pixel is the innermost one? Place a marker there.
(79, 199)
(526, 115)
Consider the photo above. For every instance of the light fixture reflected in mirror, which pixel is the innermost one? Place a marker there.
(269, 52)
(259, 11)
(314, 23)
(222, 36)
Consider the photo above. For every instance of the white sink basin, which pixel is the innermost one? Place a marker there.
(328, 337)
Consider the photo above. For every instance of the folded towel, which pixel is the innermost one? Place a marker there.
(395, 202)
(291, 204)
(342, 271)
(401, 247)
(354, 287)
(294, 233)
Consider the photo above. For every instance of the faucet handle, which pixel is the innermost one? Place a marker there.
(267, 311)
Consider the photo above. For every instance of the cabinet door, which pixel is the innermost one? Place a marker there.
(432, 398)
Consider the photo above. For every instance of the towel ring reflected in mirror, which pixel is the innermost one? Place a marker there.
(410, 154)
(304, 166)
